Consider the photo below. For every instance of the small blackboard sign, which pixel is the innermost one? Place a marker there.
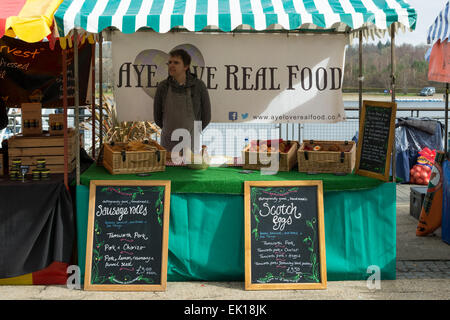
(376, 138)
(127, 238)
(284, 235)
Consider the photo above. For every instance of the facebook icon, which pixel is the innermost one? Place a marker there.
(232, 116)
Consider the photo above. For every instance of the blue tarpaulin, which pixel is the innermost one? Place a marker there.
(411, 136)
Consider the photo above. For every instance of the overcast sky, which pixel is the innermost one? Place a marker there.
(427, 11)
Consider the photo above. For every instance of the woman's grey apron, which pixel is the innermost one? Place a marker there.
(178, 113)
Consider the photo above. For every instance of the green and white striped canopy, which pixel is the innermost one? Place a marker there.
(129, 16)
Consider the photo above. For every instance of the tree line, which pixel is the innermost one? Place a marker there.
(411, 68)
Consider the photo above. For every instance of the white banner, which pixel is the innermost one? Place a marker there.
(261, 78)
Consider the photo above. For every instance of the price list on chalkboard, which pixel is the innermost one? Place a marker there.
(374, 147)
(284, 235)
(127, 236)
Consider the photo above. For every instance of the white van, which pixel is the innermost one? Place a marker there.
(427, 91)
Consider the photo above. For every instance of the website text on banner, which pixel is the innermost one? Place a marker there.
(263, 78)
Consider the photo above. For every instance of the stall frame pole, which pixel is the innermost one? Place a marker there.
(100, 88)
(93, 98)
(66, 147)
(394, 179)
(361, 78)
(77, 107)
(446, 118)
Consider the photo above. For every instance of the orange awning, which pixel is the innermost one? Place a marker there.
(29, 20)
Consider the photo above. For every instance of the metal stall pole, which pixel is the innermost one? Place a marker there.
(394, 179)
(66, 147)
(293, 131)
(446, 118)
(393, 62)
(77, 107)
(93, 97)
(300, 132)
(100, 88)
(360, 79)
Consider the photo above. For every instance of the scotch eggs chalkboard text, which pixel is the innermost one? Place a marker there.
(284, 235)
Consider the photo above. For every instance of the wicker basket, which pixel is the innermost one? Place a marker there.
(287, 160)
(118, 160)
(326, 161)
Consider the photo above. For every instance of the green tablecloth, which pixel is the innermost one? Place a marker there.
(229, 180)
(206, 231)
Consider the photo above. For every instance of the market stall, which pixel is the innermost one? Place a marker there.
(206, 233)
(37, 222)
(206, 240)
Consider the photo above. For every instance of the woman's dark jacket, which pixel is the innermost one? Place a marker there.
(199, 96)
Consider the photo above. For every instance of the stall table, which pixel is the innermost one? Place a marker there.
(37, 231)
(206, 232)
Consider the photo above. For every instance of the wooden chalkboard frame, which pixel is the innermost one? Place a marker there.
(387, 167)
(249, 285)
(90, 234)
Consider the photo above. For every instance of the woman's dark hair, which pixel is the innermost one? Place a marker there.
(183, 55)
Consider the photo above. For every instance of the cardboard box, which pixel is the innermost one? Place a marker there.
(56, 124)
(31, 119)
(416, 197)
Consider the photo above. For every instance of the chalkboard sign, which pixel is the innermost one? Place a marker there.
(376, 138)
(127, 235)
(284, 235)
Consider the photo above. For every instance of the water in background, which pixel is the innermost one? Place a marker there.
(230, 138)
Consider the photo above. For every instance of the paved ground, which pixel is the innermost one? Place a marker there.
(405, 289)
(423, 272)
(418, 257)
(428, 269)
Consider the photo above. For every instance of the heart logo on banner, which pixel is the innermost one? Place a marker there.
(160, 58)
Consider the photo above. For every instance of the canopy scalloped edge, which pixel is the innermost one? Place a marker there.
(67, 41)
(369, 31)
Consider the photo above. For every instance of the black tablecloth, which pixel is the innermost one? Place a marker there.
(36, 225)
